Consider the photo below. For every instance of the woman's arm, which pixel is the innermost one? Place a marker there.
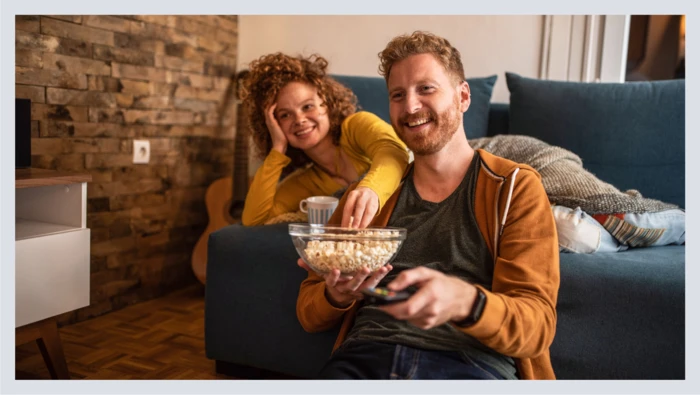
(369, 136)
(267, 197)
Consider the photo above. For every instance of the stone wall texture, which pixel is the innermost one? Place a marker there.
(96, 84)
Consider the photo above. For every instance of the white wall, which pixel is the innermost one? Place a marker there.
(488, 44)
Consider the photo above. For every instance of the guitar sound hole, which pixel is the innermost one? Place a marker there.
(235, 209)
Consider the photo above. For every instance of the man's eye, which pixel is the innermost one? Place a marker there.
(396, 96)
(426, 88)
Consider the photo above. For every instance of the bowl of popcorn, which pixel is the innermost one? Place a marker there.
(325, 248)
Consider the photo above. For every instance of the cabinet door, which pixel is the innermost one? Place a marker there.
(52, 275)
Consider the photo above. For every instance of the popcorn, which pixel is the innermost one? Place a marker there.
(350, 255)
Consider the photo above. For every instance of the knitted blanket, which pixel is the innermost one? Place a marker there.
(565, 180)
(295, 216)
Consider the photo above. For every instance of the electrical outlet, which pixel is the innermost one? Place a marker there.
(142, 151)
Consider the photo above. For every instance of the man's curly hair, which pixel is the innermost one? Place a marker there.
(269, 74)
(419, 42)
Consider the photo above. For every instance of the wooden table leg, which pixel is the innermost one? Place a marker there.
(47, 338)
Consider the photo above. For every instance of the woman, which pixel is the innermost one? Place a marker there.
(302, 118)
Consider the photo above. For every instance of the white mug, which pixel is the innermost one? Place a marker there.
(318, 208)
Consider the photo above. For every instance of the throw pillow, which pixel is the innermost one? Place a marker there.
(631, 134)
(372, 96)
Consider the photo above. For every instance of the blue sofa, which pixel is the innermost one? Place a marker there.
(620, 315)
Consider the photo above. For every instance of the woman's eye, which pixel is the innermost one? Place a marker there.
(282, 116)
(308, 107)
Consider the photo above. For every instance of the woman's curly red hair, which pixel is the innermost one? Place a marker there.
(269, 74)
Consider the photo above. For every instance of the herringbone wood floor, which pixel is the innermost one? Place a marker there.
(158, 339)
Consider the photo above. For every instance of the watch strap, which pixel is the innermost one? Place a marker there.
(475, 313)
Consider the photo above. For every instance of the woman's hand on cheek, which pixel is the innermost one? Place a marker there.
(279, 140)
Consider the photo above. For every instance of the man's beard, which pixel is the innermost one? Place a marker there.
(444, 126)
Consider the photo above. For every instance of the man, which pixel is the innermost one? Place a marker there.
(481, 250)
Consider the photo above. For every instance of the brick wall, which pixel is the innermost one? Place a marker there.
(99, 82)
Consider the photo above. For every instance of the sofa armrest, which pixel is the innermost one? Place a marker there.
(250, 303)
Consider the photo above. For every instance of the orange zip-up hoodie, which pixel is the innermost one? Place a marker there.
(515, 219)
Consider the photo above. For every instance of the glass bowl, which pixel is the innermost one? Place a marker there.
(325, 248)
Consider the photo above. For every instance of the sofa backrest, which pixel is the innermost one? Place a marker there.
(631, 135)
(498, 119)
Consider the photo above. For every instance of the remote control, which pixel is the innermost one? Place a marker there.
(383, 296)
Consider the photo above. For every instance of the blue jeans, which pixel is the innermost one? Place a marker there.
(383, 361)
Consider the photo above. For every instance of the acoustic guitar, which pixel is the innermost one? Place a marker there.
(225, 197)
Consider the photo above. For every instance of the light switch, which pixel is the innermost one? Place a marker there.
(142, 151)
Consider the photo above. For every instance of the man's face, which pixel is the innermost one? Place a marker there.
(425, 104)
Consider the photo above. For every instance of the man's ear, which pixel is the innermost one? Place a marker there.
(465, 96)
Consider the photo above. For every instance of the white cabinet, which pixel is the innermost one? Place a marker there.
(52, 244)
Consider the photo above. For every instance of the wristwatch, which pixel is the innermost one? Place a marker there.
(477, 309)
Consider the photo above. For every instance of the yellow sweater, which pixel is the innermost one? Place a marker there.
(520, 317)
(369, 142)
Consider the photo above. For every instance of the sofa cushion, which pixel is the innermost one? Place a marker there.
(372, 96)
(631, 135)
(621, 315)
(250, 309)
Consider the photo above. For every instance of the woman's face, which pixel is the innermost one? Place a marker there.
(302, 115)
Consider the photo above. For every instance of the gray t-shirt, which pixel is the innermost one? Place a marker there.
(443, 236)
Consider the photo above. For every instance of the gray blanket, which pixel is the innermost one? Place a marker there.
(565, 180)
